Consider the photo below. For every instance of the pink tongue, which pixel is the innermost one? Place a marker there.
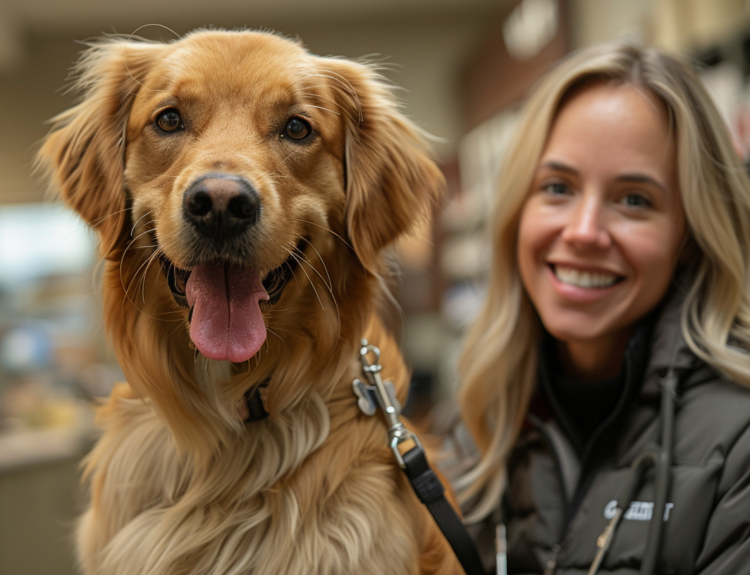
(226, 321)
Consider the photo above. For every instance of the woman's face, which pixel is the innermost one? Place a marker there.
(603, 227)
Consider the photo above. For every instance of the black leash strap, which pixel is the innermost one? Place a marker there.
(430, 491)
(423, 480)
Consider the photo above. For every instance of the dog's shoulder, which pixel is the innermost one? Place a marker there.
(128, 471)
(125, 411)
(136, 445)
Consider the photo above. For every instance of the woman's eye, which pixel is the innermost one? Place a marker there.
(169, 121)
(556, 189)
(636, 201)
(296, 129)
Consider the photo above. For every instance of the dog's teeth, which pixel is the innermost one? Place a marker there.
(584, 279)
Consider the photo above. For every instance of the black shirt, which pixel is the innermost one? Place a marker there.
(581, 408)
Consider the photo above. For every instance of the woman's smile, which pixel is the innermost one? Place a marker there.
(587, 279)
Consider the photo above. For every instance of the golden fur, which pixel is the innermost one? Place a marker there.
(179, 483)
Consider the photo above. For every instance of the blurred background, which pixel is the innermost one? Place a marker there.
(465, 66)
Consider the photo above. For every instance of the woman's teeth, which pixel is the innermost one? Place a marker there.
(584, 279)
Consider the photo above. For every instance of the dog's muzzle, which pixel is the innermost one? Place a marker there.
(274, 282)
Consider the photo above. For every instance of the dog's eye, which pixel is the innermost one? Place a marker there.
(169, 120)
(297, 129)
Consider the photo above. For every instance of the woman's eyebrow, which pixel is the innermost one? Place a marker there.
(636, 178)
(641, 179)
(559, 166)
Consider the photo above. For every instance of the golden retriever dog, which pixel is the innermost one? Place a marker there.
(243, 191)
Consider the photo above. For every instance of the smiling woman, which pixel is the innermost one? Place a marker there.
(621, 238)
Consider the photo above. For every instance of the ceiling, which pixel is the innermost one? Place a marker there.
(22, 19)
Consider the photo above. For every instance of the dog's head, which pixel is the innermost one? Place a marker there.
(240, 187)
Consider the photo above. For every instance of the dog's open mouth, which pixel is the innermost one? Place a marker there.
(226, 322)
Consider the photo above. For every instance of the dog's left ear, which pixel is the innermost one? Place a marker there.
(391, 178)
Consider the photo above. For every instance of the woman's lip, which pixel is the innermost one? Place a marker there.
(584, 268)
(579, 294)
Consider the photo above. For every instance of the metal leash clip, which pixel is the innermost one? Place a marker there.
(383, 394)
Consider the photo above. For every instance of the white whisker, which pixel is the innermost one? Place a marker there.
(309, 279)
(323, 228)
(132, 231)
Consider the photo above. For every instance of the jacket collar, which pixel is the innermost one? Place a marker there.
(547, 398)
(669, 350)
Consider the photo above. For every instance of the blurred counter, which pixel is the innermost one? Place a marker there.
(25, 448)
(40, 498)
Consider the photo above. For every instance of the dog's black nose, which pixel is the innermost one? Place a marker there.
(220, 206)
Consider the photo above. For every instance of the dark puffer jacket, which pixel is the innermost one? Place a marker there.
(560, 499)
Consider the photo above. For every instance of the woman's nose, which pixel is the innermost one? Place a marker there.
(586, 227)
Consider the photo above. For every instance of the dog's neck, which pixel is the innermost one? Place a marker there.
(252, 406)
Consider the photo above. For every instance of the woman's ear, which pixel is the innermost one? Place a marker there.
(391, 179)
(83, 155)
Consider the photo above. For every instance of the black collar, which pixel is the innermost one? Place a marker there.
(254, 403)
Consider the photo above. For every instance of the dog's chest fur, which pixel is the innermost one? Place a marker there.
(249, 511)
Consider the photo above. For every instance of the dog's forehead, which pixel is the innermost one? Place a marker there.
(211, 63)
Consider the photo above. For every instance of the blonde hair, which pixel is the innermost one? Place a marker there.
(498, 365)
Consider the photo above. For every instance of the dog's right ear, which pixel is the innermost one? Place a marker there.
(83, 155)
